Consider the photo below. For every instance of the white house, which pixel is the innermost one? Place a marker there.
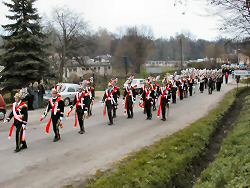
(80, 66)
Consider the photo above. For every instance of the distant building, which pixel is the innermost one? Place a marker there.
(243, 58)
(221, 60)
(100, 65)
(159, 66)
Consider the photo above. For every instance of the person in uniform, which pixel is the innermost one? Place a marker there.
(90, 95)
(202, 84)
(205, 81)
(81, 109)
(56, 105)
(129, 98)
(181, 89)
(165, 96)
(20, 113)
(109, 101)
(219, 81)
(148, 96)
(190, 85)
(185, 88)
(173, 91)
(156, 88)
(210, 85)
(116, 96)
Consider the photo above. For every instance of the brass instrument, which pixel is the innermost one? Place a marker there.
(59, 123)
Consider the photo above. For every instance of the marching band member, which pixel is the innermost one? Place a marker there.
(165, 96)
(20, 113)
(81, 111)
(116, 95)
(109, 101)
(90, 95)
(156, 88)
(56, 105)
(202, 83)
(129, 98)
(148, 96)
(190, 85)
(173, 91)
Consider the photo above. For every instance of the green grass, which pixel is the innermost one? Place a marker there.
(232, 165)
(162, 164)
(245, 81)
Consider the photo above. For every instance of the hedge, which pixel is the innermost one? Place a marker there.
(159, 165)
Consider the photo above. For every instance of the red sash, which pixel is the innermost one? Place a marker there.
(79, 100)
(147, 94)
(76, 120)
(47, 129)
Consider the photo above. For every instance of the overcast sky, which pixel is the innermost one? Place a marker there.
(162, 16)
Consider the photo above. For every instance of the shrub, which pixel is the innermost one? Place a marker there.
(161, 164)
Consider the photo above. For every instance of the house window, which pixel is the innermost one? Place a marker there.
(99, 68)
(83, 69)
(74, 69)
(108, 67)
(94, 68)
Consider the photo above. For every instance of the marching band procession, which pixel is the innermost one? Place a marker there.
(155, 96)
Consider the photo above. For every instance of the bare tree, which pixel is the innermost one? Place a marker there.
(137, 44)
(68, 27)
(236, 15)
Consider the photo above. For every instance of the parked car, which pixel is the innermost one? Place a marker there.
(137, 83)
(66, 90)
(2, 108)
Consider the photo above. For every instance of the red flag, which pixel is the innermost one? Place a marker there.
(48, 125)
(159, 109)
(11, 130)
(105, 111)
(76, 120)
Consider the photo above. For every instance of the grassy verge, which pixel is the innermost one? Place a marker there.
(245, 81)
(232, 165)
(162, 164)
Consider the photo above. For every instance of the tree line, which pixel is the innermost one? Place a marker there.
(37, 48)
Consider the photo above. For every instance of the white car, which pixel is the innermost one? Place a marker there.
(137, 83)
(67, 92)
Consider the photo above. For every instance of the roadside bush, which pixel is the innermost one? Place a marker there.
(162, 164)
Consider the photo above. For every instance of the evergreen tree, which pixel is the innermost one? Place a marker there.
(23, 57)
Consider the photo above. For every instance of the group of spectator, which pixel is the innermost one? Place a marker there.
(33, 94)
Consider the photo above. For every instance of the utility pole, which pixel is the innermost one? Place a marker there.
(182, 57)
(125, 61)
